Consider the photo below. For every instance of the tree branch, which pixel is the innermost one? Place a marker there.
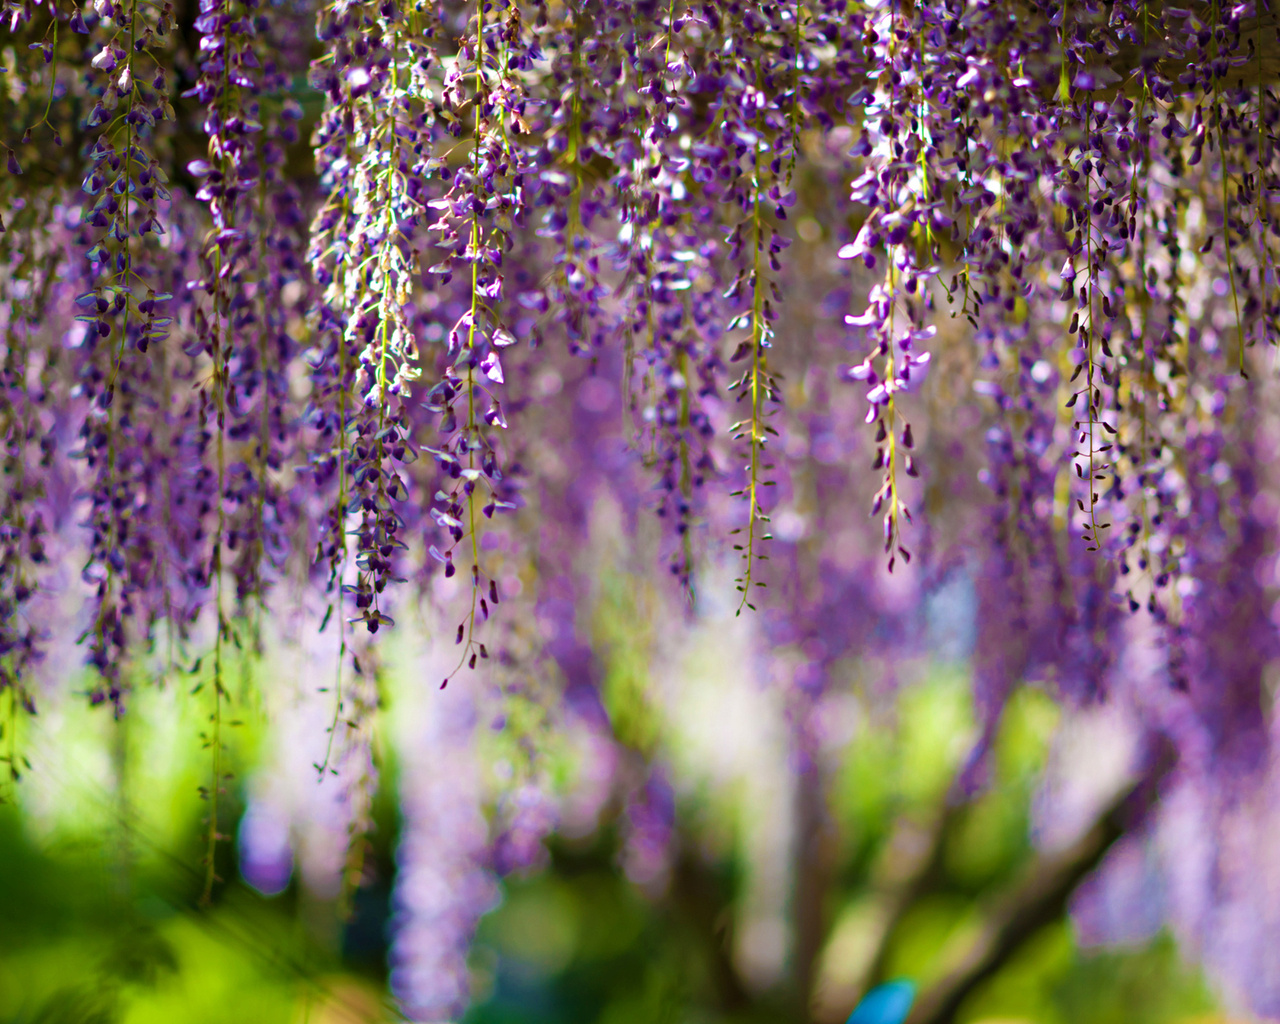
(1039, 898)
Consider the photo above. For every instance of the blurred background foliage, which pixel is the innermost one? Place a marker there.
(100, 852)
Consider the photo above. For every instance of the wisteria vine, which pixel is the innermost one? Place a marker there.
(333, 295)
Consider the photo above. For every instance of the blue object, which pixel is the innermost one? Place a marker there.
(885, 1004)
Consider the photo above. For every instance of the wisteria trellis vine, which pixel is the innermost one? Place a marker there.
(281, 280)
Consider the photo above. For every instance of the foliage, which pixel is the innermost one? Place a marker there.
(118, 924)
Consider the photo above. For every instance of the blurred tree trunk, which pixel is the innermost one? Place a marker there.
(814, 864)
